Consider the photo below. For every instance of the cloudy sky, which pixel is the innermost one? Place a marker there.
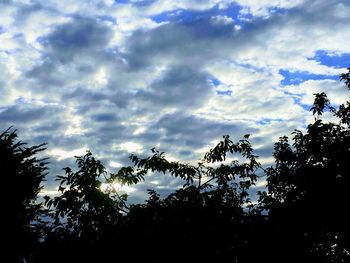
(124, 76)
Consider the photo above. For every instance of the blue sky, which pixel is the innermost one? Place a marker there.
(121, 77)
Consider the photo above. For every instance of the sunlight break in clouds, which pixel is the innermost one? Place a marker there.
(60, 154)
(122, 77)
(117, 187)
(130, 147)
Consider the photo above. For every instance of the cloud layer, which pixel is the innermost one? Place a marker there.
(122, 76)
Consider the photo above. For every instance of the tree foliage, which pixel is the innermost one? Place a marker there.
(82, 205)
(87, 209)
(22, 174)
(206, 218)
(307, 188)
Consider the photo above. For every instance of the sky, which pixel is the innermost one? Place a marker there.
(122, 77)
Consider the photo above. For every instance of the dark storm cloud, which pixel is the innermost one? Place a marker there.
(199, 42)
(71, 52)
(82, 36)
(179, 86)
(24, 114)
(5, 2)
(35, 124)
(103, 117)
(104, 135)
(190, 132)
(85, 96)
(25, 10)
(179, 42)
(46, 73)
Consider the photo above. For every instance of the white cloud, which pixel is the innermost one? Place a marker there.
(61, 154)
(74, 120)
(131, 147)
(100, 78)
(336, 91)
(115, 164)
(261, 7)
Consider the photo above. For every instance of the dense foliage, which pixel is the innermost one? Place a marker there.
(301, 217)
(22, 173)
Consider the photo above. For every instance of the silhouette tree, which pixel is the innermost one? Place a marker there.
(210, 207)
(204, 220)
(343, 112)
(83, 214)
(307, 195)
(22, 174)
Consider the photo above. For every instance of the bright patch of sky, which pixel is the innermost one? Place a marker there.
(121, 77)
